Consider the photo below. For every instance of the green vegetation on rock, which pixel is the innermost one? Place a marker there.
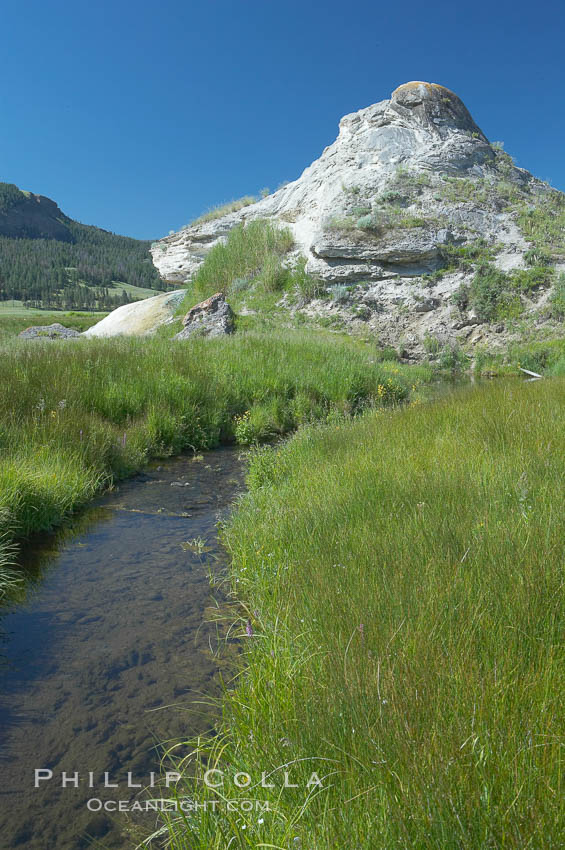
(557, 299)
(544, 224)
(490, 296)
(377, 222)
(225, 209)
(252, 253)
(10, 195)
(495, 294)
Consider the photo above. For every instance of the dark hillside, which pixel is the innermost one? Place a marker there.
(49, 260)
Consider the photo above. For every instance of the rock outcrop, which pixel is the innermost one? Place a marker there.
(142, 318)
(424, 127)
(388, 211)
(54, 331)
(213, 317)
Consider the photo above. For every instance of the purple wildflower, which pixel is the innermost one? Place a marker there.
(249, 629)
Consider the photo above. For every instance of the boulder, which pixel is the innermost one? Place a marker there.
(142, 318)
(425, 305)
(210, 318)
(54, 331)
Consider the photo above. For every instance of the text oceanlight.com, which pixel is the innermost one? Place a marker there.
(95, 804)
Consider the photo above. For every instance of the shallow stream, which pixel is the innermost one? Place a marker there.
(109, 652)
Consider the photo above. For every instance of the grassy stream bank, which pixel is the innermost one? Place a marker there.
(397, 572)
(400, 582)
(75, 416)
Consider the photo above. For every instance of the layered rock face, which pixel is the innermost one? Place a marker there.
(423, 126)
(408, 182)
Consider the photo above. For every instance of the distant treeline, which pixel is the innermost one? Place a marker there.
(78, 270)
(74, 274)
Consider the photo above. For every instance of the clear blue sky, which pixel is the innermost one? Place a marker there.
(138, 116)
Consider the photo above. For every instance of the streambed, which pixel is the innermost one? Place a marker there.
(109, 652)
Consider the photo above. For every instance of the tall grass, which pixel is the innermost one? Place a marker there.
(10, 580)
(74, 415)
(401, 587)
(250, 250)
(223, 209)
(544, 356)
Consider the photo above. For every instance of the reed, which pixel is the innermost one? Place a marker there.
(400, 583)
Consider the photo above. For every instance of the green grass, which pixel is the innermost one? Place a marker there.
(74, 416)
(14, 307)
(10, 581)
(252, 253)
(136, 293)
(400, 589)
(547, 357)
(16, 319)
(224, 209)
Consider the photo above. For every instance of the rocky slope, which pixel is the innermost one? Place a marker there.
(414, 223)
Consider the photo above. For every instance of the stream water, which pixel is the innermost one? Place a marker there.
(110, 654)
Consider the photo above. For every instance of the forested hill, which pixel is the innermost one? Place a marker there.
(49, 260)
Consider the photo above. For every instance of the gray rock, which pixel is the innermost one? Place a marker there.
(400, 247)
(444, 237)
(210, 318)
(54, 331)
(425, 305)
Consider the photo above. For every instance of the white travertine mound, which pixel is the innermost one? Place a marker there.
(423, 126)
(394, 219)
(141, 318)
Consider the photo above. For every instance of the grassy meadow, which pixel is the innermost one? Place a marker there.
(546, 357)
(396, 569)
(76, 415)
(398, 583)
(14, 319)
